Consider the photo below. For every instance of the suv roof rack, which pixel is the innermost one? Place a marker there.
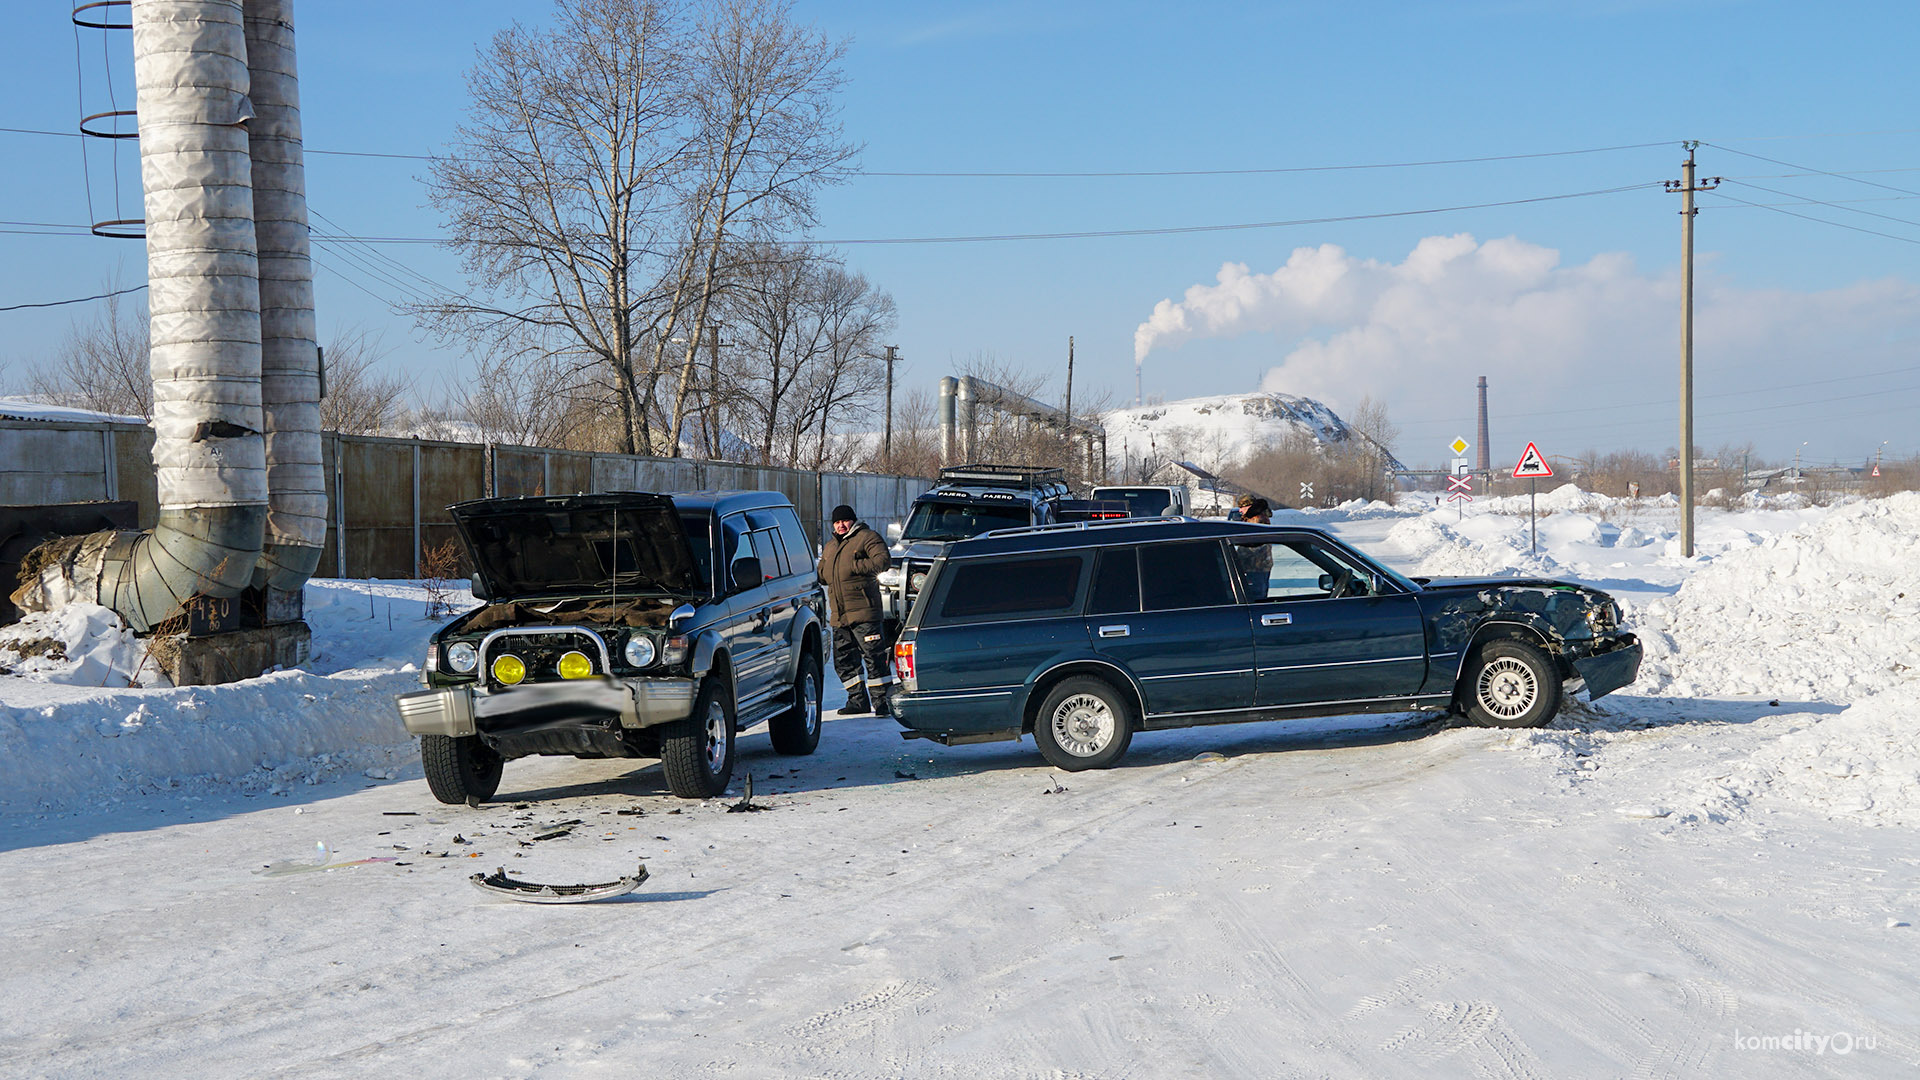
(1002, 476)
(1070, 526)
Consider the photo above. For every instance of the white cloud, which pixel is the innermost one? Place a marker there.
(1548, 337)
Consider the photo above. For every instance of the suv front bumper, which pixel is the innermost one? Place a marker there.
(460, 710)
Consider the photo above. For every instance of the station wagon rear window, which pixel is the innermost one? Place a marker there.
(1044, 586)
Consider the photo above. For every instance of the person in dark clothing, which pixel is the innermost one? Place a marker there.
(1256, 560)
(850, 561)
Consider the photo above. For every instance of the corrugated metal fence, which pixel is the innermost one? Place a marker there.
(387, 497)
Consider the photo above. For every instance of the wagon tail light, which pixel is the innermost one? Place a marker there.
(903, 658)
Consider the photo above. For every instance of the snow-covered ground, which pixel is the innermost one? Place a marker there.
(1713, 872)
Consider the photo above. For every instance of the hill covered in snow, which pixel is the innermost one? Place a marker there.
(1221, 431)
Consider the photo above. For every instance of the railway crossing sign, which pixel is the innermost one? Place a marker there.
(1460, 487)
(1306, 492)
(1531, 464)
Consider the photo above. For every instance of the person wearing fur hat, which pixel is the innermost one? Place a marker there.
(850, 563)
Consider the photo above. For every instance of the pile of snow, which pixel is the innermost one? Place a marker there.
(73, 732)
(1443, 548)
(1219, 432)
(77, 645)
(1828, 612)
(26, 408)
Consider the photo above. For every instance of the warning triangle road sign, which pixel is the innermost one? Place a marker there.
(1531, 464)
(1876, 468)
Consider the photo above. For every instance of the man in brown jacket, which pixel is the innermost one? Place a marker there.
(850, 560)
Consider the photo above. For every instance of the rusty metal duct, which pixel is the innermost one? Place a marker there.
(190, 67)
(289, 351)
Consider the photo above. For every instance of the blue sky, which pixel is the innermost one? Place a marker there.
(1809, 332)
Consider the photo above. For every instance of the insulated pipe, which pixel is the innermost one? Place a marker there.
(190, 67)
(289, 352)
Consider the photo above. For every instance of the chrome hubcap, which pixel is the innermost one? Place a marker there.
(1082, 725)
(716, 737)
(810, 701)
(1507, 688)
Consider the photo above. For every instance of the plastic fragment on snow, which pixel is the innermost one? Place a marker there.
(533, 892)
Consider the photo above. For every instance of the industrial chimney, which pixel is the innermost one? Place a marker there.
(1483, 457)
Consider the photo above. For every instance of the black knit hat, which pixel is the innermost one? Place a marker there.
(843, 512)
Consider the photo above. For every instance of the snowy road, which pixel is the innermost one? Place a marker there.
(1368, 903)
(1675, 882)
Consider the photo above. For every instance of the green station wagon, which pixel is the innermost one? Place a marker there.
(1083, 634)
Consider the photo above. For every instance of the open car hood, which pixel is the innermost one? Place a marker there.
(576, 545)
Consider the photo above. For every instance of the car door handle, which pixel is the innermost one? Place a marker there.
(1278, 618)
(1115, 631)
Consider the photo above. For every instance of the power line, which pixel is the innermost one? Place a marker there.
(1822, 221)
(1833, 205)
(1079, 175)
(75, 300)
(1811, 169)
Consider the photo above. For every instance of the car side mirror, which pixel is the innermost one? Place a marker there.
(894, 531)
(746, 573)
(681, 614)
(1326, 583)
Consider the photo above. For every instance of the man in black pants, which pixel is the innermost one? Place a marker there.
(850, 561)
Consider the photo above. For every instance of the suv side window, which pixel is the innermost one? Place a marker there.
(773, 558)
(1048, 585)
(736, 545)
(1116, 582)
(1184, 574)
(800, 556)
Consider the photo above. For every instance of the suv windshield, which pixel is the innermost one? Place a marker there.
(958, 521)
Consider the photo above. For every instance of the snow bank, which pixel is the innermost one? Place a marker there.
(1828, 612)
(1862, 764)
(77, 645)
(72, 732)
(1444, 549)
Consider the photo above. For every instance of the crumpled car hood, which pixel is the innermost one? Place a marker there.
(576, 545)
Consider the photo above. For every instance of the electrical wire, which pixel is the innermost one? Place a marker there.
(75, 300)
(1811, 169)
(1833, 205)
(1809, 217)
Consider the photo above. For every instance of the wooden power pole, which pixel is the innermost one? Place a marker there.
(1686, 186)
(886, 440)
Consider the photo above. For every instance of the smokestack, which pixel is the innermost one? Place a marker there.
(1483, 458)
(948, 387)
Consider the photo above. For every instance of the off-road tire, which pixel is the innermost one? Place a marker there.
(1084, 723)
(797, 730)
(1510, 684)
(697, 753)
(460, 768)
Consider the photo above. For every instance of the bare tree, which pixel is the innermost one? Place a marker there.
(102, 365)
(564, 192)
(762, 96)
(360, 398)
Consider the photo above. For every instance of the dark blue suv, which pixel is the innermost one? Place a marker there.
(1083, 634)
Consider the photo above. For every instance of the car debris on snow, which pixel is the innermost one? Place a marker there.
(532, 892)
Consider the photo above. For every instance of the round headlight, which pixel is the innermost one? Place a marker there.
(462, 656)
(575, 665)
(916, 582)
(509, 669)
(639, 650)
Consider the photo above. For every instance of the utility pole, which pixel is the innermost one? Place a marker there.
(1068, 408)
(1686, 187)
(886, 441)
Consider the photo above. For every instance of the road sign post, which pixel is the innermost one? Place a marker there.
(1531, 467)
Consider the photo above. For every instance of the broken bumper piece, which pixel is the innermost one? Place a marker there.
(1609, 671)
(532, 892)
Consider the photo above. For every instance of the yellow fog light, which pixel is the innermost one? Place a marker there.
(509, 669)
(575, 665)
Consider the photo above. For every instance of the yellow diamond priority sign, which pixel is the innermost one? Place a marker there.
(1458, 445)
